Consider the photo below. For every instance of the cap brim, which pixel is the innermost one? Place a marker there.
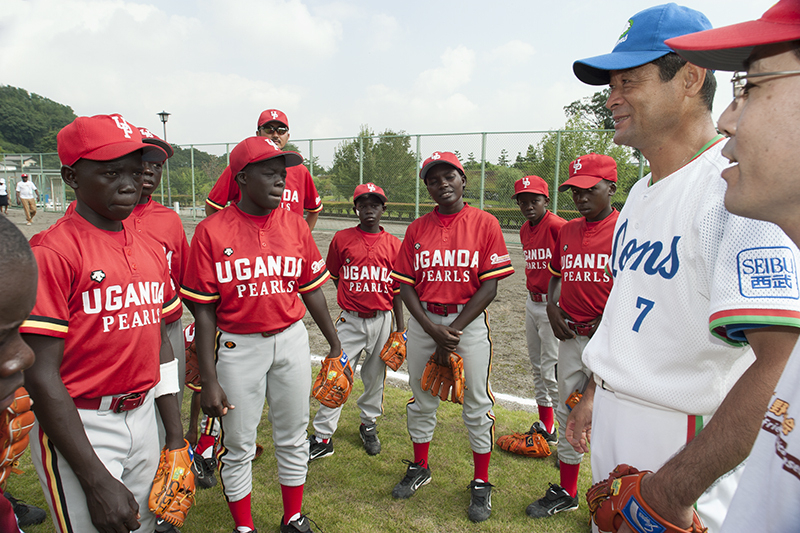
(292, 159)
(164, 146)
(581, 182)
(728, 48)
(382, 197)
(429, 166)
(595, 70)
(117, 150)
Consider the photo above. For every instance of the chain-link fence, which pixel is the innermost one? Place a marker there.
(492, 161)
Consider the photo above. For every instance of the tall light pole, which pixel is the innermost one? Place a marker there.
(164, 117)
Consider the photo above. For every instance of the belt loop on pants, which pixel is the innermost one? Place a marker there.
(442, 309)
(117, 404)
(538, 297)
(371, 314)
(602, 383)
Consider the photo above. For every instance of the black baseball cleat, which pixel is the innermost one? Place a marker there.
(369, 436)
(480, 504)
(162, 526)
(555, 500)
(551, 438)
(416, 476)
(318, 449)
(204, 471)
(27, 515)
(301, 525)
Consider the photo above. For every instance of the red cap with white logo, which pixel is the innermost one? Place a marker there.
(272, 115)
(255, 149)
(151, 138)
(102, 138)
(437, 158)
(531, 184)
(368, 188)
(588, 170)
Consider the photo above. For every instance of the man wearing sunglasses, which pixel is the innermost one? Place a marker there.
(763, 127)
(300, 193)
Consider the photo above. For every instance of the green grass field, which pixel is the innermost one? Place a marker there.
(351, 491)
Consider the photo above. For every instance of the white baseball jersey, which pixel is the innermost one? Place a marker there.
(689, 277)
(770, 487)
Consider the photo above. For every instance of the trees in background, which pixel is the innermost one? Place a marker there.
(29, 122)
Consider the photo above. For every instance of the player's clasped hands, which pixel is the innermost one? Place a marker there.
(447, 340)
(214, 401)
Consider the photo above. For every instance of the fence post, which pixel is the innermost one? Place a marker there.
(360, 160)
(483, 166)
(311, 157)
(416, 181)
(641, 165)
(558, 169)
(194, 202)
(228, 153)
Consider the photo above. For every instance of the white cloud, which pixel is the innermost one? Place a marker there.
(512, 54)
(456, 70)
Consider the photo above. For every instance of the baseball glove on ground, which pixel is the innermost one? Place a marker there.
(530, 444)
(446, 382)
(173, 487)
(15, 424)
(618, 498)
(334, 381)
(394, 351)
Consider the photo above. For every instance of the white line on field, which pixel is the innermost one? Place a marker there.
(499, 396)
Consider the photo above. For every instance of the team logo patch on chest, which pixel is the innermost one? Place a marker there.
(416, 246)
(768, 272)
(97, 275)
(228, 251)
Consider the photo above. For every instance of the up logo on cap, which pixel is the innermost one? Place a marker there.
(123, 125)
(526, 182)
(146, 133)
(271, 143)
(274, 115)
(436, 155)
(576, 166)
(371, 187)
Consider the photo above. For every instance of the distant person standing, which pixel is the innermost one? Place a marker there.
(3, 196)
(27, 196)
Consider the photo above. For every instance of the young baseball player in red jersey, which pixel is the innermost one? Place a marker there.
(448, 267)
(300, 193)
(247, 265)
(360, 260)
(538, 236)
(16, 301)
(582, 250)
(99, 339)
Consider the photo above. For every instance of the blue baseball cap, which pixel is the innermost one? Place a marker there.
(642, 41)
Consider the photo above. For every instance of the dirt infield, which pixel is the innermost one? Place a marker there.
(511, 372)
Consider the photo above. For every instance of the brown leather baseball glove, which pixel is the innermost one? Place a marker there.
(446, 382)
(394, 351)
(173, 489)
(334, 381)
(15, 424)
(530, 444)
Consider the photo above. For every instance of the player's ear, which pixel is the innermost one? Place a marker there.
(612, 189)
(693, 78)
(68, 175)
(355, 210)
(383, 208)
(546, 202)
(241, 178)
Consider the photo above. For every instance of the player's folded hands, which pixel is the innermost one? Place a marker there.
(445, 337)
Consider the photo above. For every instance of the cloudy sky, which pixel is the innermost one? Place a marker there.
(332, 65)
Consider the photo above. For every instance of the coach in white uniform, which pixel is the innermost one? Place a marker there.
(694, 285)
(763, 123)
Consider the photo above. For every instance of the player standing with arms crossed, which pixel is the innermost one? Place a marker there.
(17, 298)
(448, 266)
(97, 333)
(582, 250)
(361, 260)
(300, 193)
(538, 236)
(247, 265)
(671, 349)
(762, 123)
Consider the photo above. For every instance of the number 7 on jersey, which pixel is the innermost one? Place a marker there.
(645, 305)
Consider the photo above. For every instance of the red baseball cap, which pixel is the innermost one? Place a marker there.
(151, 138)
(587, 171)
(255, 149)
(272, 115)
(23, 175)
(102, 138)
(437, 158)
(368, 188)
(728, 48)
(531, 184)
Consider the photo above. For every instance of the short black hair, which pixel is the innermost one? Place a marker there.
(14, 247)
(669, 65)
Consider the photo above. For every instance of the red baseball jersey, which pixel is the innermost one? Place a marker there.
(582, 252)
(538, 243)
(362, 264)
(300, 192)
(106, 300)
(253, 268)
(165, 227)
(446, 263)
